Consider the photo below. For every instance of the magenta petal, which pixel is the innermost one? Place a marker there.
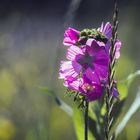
(77, 67)
(72, 52)
(74, 85)
(101, 44)
(115, 92)
(91, 90)
(72, 33)
(118, 45)
(95, 49)
(66, 69)
(102, 71)
(108, 30)
(93, 44)
(102, 58)
(107, 47)
(70, 37)
(92, 75)
(68, 42)
(101, 28)
(101, 64)
(95, 94)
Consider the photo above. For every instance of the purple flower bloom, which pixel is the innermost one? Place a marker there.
(91, 90)
(107, 31)
(88, 61)
(71, 36)
(87, 66)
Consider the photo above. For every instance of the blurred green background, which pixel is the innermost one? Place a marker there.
(31, 35)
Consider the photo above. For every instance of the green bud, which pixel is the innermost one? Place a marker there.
(93, 33)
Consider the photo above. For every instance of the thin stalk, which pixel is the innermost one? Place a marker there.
(109, 97)
(86, 122)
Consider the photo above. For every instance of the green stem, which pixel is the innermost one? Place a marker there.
(109, 97)
(86, 121)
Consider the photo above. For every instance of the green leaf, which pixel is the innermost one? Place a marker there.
(97, 127)
(91, 112)
(46, 90)
(132, 110)
(124, 85)
(118, 108)
(65, 107)
(78, 120)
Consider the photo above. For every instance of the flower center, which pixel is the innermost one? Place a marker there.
(86, 61)
(88, 87)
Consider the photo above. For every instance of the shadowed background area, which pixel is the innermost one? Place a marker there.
(31, 35)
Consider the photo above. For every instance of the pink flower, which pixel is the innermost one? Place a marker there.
(71, 36)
